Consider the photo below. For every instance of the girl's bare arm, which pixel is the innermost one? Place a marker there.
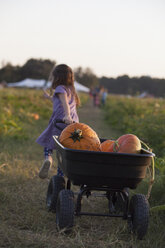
(47, 95)
(63, 98)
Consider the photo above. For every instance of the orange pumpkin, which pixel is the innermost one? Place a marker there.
(80, 136)
(36, 116)
(106, 146)
(128, 143)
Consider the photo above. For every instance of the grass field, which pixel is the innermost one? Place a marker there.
(24, 219)
(146, 119)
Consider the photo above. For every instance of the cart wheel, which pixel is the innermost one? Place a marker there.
(139, 210)
(65, 210)
(56, 184)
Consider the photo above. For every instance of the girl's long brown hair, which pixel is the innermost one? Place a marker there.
(63, 75)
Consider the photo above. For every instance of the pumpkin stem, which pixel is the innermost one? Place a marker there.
(76, 135)
(115, 146)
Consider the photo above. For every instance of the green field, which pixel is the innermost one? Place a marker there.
(24, 219)
(146, 119)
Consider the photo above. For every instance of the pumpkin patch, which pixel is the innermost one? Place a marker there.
(80, 136)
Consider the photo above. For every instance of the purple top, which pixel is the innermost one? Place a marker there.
(46, 139)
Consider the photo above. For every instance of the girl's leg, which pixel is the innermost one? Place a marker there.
(43, 173)
(59, 172)
(48, 153)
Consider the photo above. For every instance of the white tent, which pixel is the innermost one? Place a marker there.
(29, 83)
(80, 87)
(41, 83)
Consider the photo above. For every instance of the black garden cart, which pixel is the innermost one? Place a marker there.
(108, 174)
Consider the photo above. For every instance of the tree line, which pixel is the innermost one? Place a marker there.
(135, 85)
(40, 69)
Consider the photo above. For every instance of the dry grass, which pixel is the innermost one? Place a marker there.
(24, 219)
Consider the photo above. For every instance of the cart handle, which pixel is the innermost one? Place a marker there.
(55, 122)
(60, 121)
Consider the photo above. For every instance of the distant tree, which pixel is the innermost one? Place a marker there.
(86, 77)
(33, 68)
(134, 85)
(123, 83)
(10, 73)
(37, 68)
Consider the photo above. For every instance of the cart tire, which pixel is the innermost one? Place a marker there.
(65, 210)
(139, 210)
(56, 184)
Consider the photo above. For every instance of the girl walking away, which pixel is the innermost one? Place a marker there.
(65, 101)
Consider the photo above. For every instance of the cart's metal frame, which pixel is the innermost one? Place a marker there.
(110, 189)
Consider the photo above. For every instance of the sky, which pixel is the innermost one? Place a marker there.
(111, 37)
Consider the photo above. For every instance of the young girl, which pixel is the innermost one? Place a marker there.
(65, 100)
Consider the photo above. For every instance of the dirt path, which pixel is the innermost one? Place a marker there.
(94, 117)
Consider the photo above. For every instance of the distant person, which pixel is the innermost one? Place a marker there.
(65, 100)
(91, 92)
(104, 96)
(96, 97)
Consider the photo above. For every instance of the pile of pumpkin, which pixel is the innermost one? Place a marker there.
(82, 137)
